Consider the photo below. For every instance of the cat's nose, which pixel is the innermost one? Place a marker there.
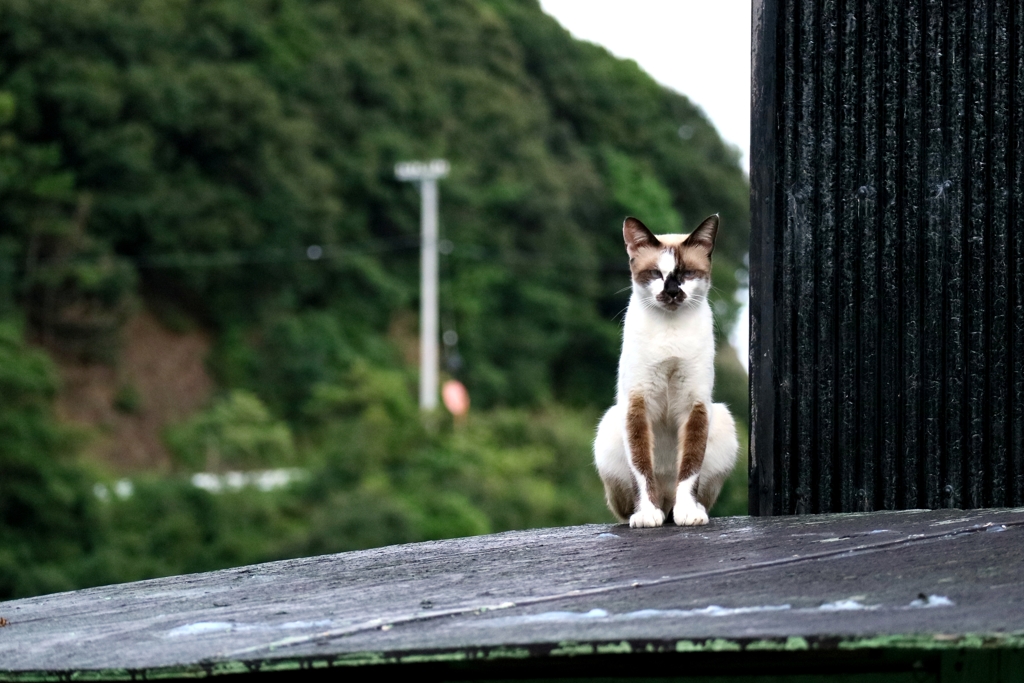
(672, 287)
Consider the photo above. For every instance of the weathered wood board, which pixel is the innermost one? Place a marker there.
(829, 581)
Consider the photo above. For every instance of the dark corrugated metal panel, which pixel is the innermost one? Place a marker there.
(887, 255)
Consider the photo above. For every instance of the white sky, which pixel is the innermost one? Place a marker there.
(700, 48)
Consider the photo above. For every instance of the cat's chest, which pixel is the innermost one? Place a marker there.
(664, 366)
(666, 359)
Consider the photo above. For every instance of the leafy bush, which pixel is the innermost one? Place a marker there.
(236, 432)
(47, 520)
(379, 474)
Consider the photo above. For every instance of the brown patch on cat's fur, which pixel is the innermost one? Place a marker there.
(693, 438)
(640, 438)
(708, 488)
(637, 237)
(703, 237)
(621, 497)
(692, 252)
(643, 248)
(645, 265)
(693, 258)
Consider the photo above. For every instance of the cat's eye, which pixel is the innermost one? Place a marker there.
(691, 274)
(654, 274)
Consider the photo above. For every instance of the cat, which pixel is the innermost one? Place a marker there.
(664, 446)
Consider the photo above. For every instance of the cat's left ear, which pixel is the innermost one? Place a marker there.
(637, 236)
(704, 236)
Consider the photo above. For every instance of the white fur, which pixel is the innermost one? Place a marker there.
(687, 511)
(668, 357)
(666, 262)
(647, 515)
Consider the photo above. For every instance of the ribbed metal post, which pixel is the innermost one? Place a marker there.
(887, 255)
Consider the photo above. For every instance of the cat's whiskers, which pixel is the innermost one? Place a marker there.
(649, 303)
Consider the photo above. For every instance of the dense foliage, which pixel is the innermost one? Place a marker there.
(185, 154)
(47, 520)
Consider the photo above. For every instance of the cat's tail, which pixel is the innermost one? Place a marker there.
(720, 456)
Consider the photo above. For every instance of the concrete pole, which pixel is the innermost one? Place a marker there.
(426, 174)
(428, 295)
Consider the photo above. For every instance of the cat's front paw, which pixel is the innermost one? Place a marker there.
(689, 512)
(647, 516)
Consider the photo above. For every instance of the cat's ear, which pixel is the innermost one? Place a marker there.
(704, 236)
(637, 236)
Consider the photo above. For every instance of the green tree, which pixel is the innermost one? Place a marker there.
(217, 140)
(185, 154)
(236, 432)
(47, 516)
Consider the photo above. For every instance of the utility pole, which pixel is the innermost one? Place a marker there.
(427, 173)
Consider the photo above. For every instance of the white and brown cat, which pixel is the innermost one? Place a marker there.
(664, 446)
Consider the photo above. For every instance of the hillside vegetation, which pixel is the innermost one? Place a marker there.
(182, 156)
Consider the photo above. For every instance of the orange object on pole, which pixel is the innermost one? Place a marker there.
(455, 397)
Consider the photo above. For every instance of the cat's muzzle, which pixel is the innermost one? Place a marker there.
(672, 301)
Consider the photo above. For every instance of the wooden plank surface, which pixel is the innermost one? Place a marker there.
(942, 576)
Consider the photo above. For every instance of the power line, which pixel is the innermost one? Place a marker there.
(310, 253)
(317, 252)
(313, 253)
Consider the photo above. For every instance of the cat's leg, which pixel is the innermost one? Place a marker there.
(639, 443)
(693, 441)
(720, 456)
(612, 464)
(666, 464)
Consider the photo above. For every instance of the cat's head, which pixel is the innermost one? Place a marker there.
(671, 271)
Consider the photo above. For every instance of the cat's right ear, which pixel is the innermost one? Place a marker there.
(637, 236)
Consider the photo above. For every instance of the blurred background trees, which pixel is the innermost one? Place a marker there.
(179, 158)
